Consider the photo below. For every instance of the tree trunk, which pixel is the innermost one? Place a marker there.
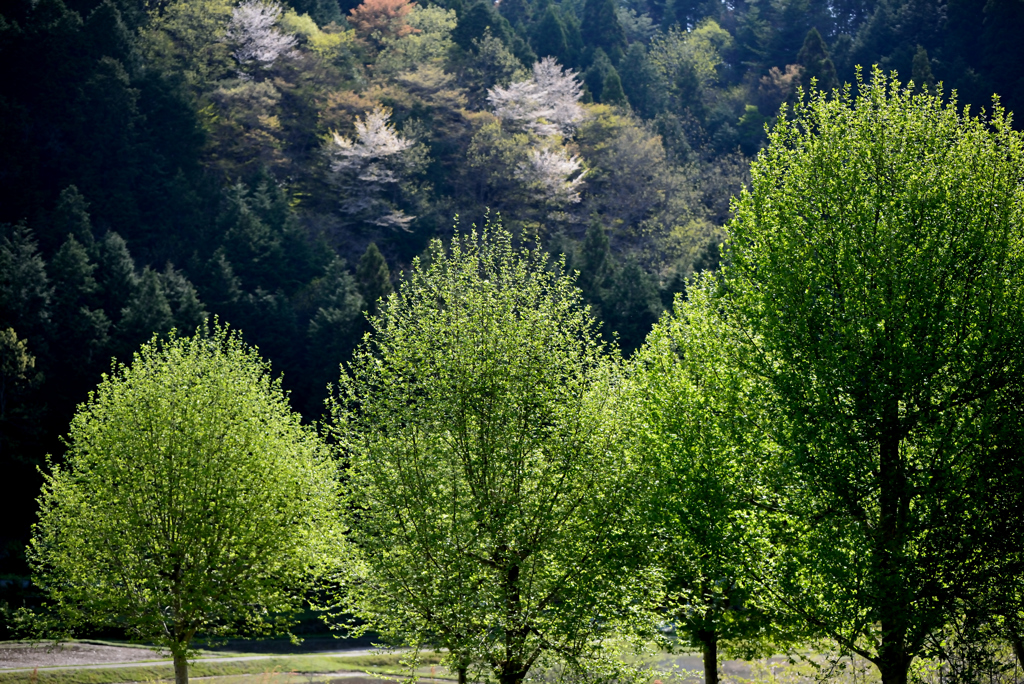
(1016, 641)
(512, 675)
(462, 675)
(709, 641)
(180, 667)
(893, 661)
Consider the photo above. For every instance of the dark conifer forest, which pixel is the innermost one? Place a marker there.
(280, 165)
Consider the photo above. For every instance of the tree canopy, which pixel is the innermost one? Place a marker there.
(491, 509)
(876, 272)
(191, 501)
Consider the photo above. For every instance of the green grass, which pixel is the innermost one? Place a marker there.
(385, 664)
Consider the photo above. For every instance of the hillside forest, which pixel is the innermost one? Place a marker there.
(280, 165)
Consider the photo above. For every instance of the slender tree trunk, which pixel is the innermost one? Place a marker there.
(1013, 632)
(709, 641)
(462, 674)
(180, 667)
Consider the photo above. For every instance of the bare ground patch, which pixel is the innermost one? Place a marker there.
(48, 654)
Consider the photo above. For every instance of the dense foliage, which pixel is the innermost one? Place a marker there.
(491, 506)
(192, 501)
(278, 164)
(876, 274)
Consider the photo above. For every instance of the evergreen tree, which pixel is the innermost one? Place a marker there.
(517, 12)
(147, 313)
(477, 20)
(640, 82)
(611, 89)
(189, 313)
(600, 28)
(249, 242)
(18, 417)
(335, 327)
(922, 71)
(77, 326)
(632, 306)
(220, 287)
(71, 217)
(599, 72)
(817, 64)
(323, 12)
(373, 278)
(549, 38)
(115, 275)
(107, 159)
(596, 268)
(25, 290)
(109, 37)
(574, 41)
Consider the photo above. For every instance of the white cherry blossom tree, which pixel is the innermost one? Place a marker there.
(370, 165)
(253, 32)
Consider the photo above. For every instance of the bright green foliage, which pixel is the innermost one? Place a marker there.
(494, 514)
(698, 426)
(876, 270)
(192, 501)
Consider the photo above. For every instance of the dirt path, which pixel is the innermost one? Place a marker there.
(90, 656)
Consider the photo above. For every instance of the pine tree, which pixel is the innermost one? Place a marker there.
(189, 313)
(147, 313)
(632, 306)
(601, 29)
(594, 78)
(549, 36)
(373, 278)
(596, 268)
(922, 71)
(115, 275)
(475, 21)
(517, 12)
(79, 341)
(336, 326)
(611, 90)
(71, 217)
(109, 37)
(817, 64)
(640, 82)
(25, 290)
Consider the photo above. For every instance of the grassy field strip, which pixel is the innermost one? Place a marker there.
(269, 665)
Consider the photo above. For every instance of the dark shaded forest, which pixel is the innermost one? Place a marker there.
(279, 166)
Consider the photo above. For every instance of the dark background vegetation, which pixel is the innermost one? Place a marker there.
(146, 183)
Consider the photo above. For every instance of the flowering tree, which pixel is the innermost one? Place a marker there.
(546, 104)
(258, 43)
(554, 173)
(368, 165)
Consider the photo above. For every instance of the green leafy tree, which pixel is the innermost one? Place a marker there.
(474, 416)
(698, 427)
(876, 270)
(192, 500)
